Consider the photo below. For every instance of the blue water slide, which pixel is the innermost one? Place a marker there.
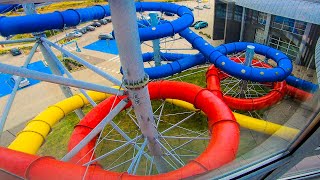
(302, 84)
(73, 17)
(164, 56)
(180, 62)
(55, 20)
(218, 57)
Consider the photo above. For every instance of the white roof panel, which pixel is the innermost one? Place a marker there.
(303, 10)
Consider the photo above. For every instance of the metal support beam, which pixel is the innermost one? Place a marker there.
(50, 59)
(266, 29)
(83, 62)
(242, 23)
(303, 43)
(15, 89)
(135, 79)
(9, 69)
(156, 43)
(18, 41)
(62, 67)
(136, 160)
(96, 130)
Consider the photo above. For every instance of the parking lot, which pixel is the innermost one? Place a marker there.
(32, 100)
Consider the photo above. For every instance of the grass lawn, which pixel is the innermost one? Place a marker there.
(56, 143)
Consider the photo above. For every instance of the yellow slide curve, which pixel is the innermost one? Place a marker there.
(33, 135)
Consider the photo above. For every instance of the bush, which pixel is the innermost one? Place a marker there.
(4, 51)
(69, 62)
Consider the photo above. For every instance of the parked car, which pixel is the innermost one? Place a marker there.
(206, 7)
(191, 9)
(15, 51)
(199, 1)
(95, 24)
(103, 21)
(105, 36)
(83, 30)
(23, 83)
(195, 23)
(74, 34)
(169, 14)
(90, 28)
(198, 7)
(201, 25)
(108, 20)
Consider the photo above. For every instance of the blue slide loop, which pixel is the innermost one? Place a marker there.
(279, 73)
(180, 62)
(42, 22)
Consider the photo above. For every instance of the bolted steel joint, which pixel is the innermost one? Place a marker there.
(137, 84)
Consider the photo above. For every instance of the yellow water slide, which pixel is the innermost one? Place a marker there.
(250, 122)
(33, 135)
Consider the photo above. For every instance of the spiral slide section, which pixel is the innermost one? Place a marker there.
(244, 121)
(224, 140)
(179, 63)
(222, 147)
(73, 17)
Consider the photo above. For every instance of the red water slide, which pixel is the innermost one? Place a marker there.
(222, 147)
(279, 90)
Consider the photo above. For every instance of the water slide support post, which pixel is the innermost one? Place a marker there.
(247, 62)
(49, 57)
(134, 77)
(29, 9)
(156, 42)
(8, 106)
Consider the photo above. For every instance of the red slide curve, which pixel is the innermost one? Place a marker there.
(280, 89)
(222, 147)
(213, 77)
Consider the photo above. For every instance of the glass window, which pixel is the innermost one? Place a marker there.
(289, 25)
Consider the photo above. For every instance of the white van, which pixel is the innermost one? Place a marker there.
(23, 83)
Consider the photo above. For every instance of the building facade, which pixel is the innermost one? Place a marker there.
(234, 22)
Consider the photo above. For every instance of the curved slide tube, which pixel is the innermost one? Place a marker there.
(298, 94)
(33, 135)
(246, 104)
(222, 147)
(224, 140)
(218, 57)
(174, 67)
(290, 90)
(247, 122)
(302, 84)
(73, 17)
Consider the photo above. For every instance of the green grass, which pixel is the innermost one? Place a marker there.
(56, 143)
(57, 140)
(60, 6)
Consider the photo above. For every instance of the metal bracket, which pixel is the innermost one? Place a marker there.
(137, 84)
